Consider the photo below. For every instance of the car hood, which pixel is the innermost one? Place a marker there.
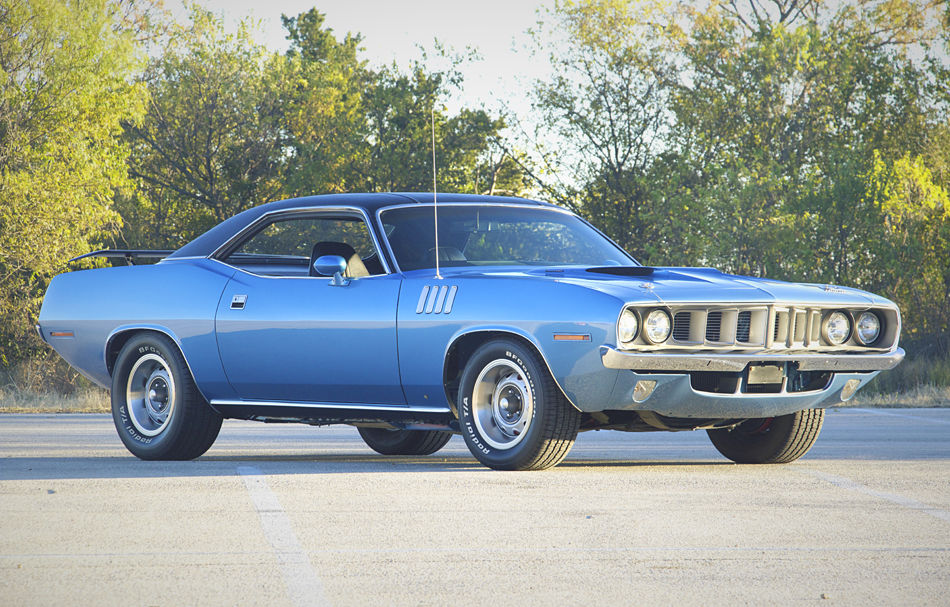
(707, 285)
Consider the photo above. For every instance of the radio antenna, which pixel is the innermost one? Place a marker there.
(435, 204)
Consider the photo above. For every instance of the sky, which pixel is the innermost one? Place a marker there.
(393, 30)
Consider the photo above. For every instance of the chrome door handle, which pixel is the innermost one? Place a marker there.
(238, 301)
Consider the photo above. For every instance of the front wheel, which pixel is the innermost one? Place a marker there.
(404, 442)
(512, 414)
(770, 440)
(156, 407)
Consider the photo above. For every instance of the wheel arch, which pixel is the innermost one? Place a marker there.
(121, 336)
(463, 345)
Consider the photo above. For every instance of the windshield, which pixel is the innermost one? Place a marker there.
(497, 236)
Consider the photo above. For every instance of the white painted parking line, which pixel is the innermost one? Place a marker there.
(847, 483)
(303, 584)
(918, 418)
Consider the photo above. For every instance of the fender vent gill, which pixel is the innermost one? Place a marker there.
(436, 299)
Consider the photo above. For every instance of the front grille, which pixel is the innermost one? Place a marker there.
(713, 326)
(743, 326)
(681, 324)
(747, 326)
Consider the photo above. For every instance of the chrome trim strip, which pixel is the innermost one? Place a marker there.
(767, 302)
(441, 300)
(450, 300)
(307, 211)
(430, 303)
(615, 359)
(359, 406)
(422, 299)
(510, 331)
(145, 327)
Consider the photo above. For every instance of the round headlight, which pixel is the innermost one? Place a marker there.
(837, 328)
(867, 328)
(628, 326)
(656, 327)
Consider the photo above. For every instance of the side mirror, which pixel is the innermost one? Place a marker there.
(332, 265)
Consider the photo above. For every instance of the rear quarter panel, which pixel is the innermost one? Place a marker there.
(178, 298)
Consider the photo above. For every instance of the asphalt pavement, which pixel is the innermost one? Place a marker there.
(292, 515)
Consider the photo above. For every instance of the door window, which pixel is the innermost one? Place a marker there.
(284, 247)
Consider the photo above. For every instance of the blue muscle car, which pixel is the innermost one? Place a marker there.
(516, 325)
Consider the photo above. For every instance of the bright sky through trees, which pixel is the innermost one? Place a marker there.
(394, 31)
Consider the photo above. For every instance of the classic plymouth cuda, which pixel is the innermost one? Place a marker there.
(516, 324)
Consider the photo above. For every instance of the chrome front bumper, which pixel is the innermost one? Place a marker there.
(673, 395)
(648, 361)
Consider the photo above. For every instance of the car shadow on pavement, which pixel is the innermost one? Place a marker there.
(66, 468)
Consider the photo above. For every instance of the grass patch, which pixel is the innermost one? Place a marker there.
(915, 373)
(85, 400)
(918, 396)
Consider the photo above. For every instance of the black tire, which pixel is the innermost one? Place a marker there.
(404, 442)
(180, 426)
(771, 440)
(526, 423)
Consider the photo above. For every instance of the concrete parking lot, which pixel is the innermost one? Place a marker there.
(293, 515)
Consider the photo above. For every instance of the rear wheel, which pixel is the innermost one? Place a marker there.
(404, 442)
(770, 440)
(157, 409)
(512, 414)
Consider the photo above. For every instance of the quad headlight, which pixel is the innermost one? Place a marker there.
(657, 326)
(867, 328)
(628, 326)
(836, 328)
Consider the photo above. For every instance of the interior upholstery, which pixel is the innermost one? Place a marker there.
(354, 265)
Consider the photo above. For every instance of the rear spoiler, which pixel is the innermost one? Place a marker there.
(128, 254)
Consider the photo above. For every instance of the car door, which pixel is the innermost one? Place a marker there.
(284, 335)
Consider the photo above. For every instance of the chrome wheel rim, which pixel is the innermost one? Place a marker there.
(150, 395)
(502, 404)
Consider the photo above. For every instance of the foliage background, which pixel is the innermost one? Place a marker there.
(803, 140)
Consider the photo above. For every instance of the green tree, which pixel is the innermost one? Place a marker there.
(787, 102)
(823, 125)
(61, 154)
(607, 107)
(767, 137)
(323, 106)
(399, 111)
(212, 141)
(913, 263)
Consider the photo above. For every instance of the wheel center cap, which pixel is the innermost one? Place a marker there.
(158, 395)
(510, 403)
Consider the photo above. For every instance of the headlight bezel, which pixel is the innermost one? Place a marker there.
(646, 322)
(857, 332)
(826, 322)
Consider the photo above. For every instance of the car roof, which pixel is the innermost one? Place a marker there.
(207, 243)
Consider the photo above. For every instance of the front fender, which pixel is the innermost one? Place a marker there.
(537, 311)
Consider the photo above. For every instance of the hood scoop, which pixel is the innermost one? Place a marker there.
(624, 270)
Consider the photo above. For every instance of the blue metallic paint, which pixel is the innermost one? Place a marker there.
(176, 298)
(532, 305)
(300, 340)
